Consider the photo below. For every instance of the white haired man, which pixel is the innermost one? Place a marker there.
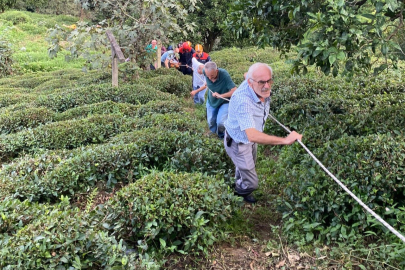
(221, 86)
(248, 111)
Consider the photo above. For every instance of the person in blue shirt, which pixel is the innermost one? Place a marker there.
(169, 57)
(248, 111)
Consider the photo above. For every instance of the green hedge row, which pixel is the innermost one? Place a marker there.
(24, 115)
(92, 130)
(297, 88)
(62, 237)
(21, 119)
(111, 107)
(134, 94)
(178, 85)
(125, 159)
(168, 212)
(35, 80)
(64, 134)
(371, 167)
(14, 98)
(321, 120)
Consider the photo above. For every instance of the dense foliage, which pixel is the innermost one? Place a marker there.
(336, 36)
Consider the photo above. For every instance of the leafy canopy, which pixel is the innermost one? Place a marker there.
(133, 23)
(336, 36)
(6, 4)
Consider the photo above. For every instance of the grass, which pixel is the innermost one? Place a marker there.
(26, 32)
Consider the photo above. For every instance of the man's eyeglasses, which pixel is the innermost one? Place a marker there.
(199, 51)
(262, 83)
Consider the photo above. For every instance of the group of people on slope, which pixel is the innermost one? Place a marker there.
(236, 115)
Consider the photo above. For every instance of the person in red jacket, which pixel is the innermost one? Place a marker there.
(201, 56)
(186, 54)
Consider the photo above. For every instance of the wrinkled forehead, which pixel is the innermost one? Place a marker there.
(262, 73)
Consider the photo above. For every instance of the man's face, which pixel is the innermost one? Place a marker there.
(212, 75)
(199, 52)
(154, 42)
(261, 82)
(200, 69)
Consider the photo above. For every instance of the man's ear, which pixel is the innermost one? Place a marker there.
(249, 82)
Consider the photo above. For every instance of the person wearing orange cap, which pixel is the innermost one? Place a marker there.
(186, 54)
(201, 56)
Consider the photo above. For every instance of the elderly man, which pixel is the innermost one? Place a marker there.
(221, 86)
(199, 84)
(248, 111)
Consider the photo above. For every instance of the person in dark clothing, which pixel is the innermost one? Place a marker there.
(186, 55)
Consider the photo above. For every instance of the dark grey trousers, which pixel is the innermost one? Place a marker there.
(244, 157)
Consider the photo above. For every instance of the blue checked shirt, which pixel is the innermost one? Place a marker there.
(246, 111)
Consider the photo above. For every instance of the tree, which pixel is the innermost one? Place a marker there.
(208, 18)
(6, 4)
(335, 35)
(134, 24)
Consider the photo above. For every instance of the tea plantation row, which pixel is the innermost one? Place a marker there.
(64, 135)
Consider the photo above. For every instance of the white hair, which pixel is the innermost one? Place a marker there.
(256, 66)
(210, 66)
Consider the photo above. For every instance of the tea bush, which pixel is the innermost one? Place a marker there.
(16, 17)
(147, 74)
(123, 160)
(6, 59)
(13, 121)
(51, 85)
(25, 81)
(63, 238)
(108, 107)
(178, 85)
(23, 172)
(14, 98)
(134, 94)
(170, 212)
(65, 134)
(371, 167)
(16, 214)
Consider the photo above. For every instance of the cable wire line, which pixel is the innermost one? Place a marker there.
(383, 222)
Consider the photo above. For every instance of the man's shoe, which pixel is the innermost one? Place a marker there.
(247, 197)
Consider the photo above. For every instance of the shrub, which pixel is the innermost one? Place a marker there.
(171, 212)
(64, 135)
(25, 81)
(147, 74)
(134, 94)
(16, 17)
(123, 160)
(178, 85)
(51, 85)
(63, 238)
(6, 59)
(13, 121)
(14, 98)
(17, 214)
(371, 167)
(108, 107)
